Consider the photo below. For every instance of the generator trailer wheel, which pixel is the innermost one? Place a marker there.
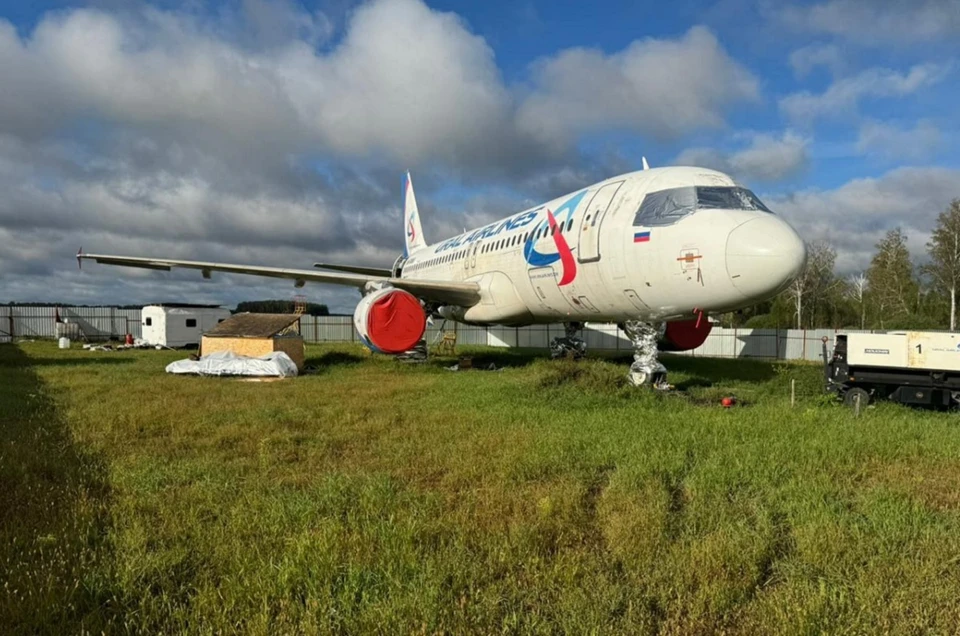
(851, 397)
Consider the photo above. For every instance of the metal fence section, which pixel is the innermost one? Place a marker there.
(6, 325)
(92, 323)
(767, 344)
(97, 323)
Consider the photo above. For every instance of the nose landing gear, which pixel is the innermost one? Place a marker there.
(646, 370)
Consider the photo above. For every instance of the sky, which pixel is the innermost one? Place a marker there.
(275, 132)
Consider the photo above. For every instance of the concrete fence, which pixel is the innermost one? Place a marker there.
(100, 323)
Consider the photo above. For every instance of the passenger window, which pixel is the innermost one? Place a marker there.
(191, 322)
(148, 322)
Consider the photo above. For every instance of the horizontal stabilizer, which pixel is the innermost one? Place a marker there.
(356, 269)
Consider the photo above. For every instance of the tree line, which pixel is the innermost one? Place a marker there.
(892, 293)
(280, 307)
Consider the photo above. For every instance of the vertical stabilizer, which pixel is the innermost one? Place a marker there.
(413, 232)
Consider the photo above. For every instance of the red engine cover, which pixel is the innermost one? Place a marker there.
(683, 335)
(396, 322)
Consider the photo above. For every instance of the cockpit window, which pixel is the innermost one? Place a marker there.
(728, 199)
(666, 207)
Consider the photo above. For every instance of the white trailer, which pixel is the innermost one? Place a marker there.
(911, 367)
(179, 325)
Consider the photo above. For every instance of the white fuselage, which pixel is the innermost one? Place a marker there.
(597, 255)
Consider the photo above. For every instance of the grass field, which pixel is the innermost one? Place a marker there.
(372, 496)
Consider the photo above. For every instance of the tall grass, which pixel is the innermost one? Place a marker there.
(544, 497)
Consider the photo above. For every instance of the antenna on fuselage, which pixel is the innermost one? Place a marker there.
(646, 166)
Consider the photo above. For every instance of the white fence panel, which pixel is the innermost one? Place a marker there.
(109, 322)
(6, 325)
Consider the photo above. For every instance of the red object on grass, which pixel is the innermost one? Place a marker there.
(129, 339)
(396, 322)
(727, 402)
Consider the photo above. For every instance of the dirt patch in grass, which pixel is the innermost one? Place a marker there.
(936, 485)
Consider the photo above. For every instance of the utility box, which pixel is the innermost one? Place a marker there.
(256, 335)
(179, 325)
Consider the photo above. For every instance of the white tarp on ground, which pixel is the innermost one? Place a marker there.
(275, 364)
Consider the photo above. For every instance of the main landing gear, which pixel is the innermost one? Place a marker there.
(646, 369)
(570, 345)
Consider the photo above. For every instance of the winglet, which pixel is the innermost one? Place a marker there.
(646, 166)
(80, 258)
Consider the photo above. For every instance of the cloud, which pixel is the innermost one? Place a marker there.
(842, 98)
(264, 133)
(806, 59)
(767, 158)
(275, 22)
(892, 142)
(405, 80)
(857, 214)
(877, 22)
(663, 88)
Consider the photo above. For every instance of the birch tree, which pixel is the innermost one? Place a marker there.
(944, 250)
(857, 286)
(890, 278)
(812, 289)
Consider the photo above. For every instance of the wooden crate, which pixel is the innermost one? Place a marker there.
(292, 345)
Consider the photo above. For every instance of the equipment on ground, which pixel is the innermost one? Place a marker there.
(227, 363)
(179, 325)
(920, 368)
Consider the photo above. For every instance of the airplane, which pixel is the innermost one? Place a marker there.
(655, 251)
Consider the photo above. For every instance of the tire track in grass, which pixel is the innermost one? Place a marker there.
(597, 484)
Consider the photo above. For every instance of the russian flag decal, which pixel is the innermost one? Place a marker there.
(641, 237)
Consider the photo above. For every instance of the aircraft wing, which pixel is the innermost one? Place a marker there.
(448, 292)
(355, 269)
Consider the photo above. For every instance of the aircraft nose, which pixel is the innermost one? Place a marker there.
(764, 256)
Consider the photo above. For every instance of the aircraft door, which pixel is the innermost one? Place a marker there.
(473, 254)
(551, 299)
(589, 245)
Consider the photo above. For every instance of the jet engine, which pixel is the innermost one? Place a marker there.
(683, 335)
(390, 320)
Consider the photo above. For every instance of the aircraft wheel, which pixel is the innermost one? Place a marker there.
(656, 379)
(638, 378)
(856, 393)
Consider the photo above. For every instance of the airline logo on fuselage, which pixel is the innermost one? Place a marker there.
(556, 224)
(555, 219)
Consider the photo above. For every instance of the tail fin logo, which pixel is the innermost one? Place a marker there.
(413, 231)
(556, 229)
